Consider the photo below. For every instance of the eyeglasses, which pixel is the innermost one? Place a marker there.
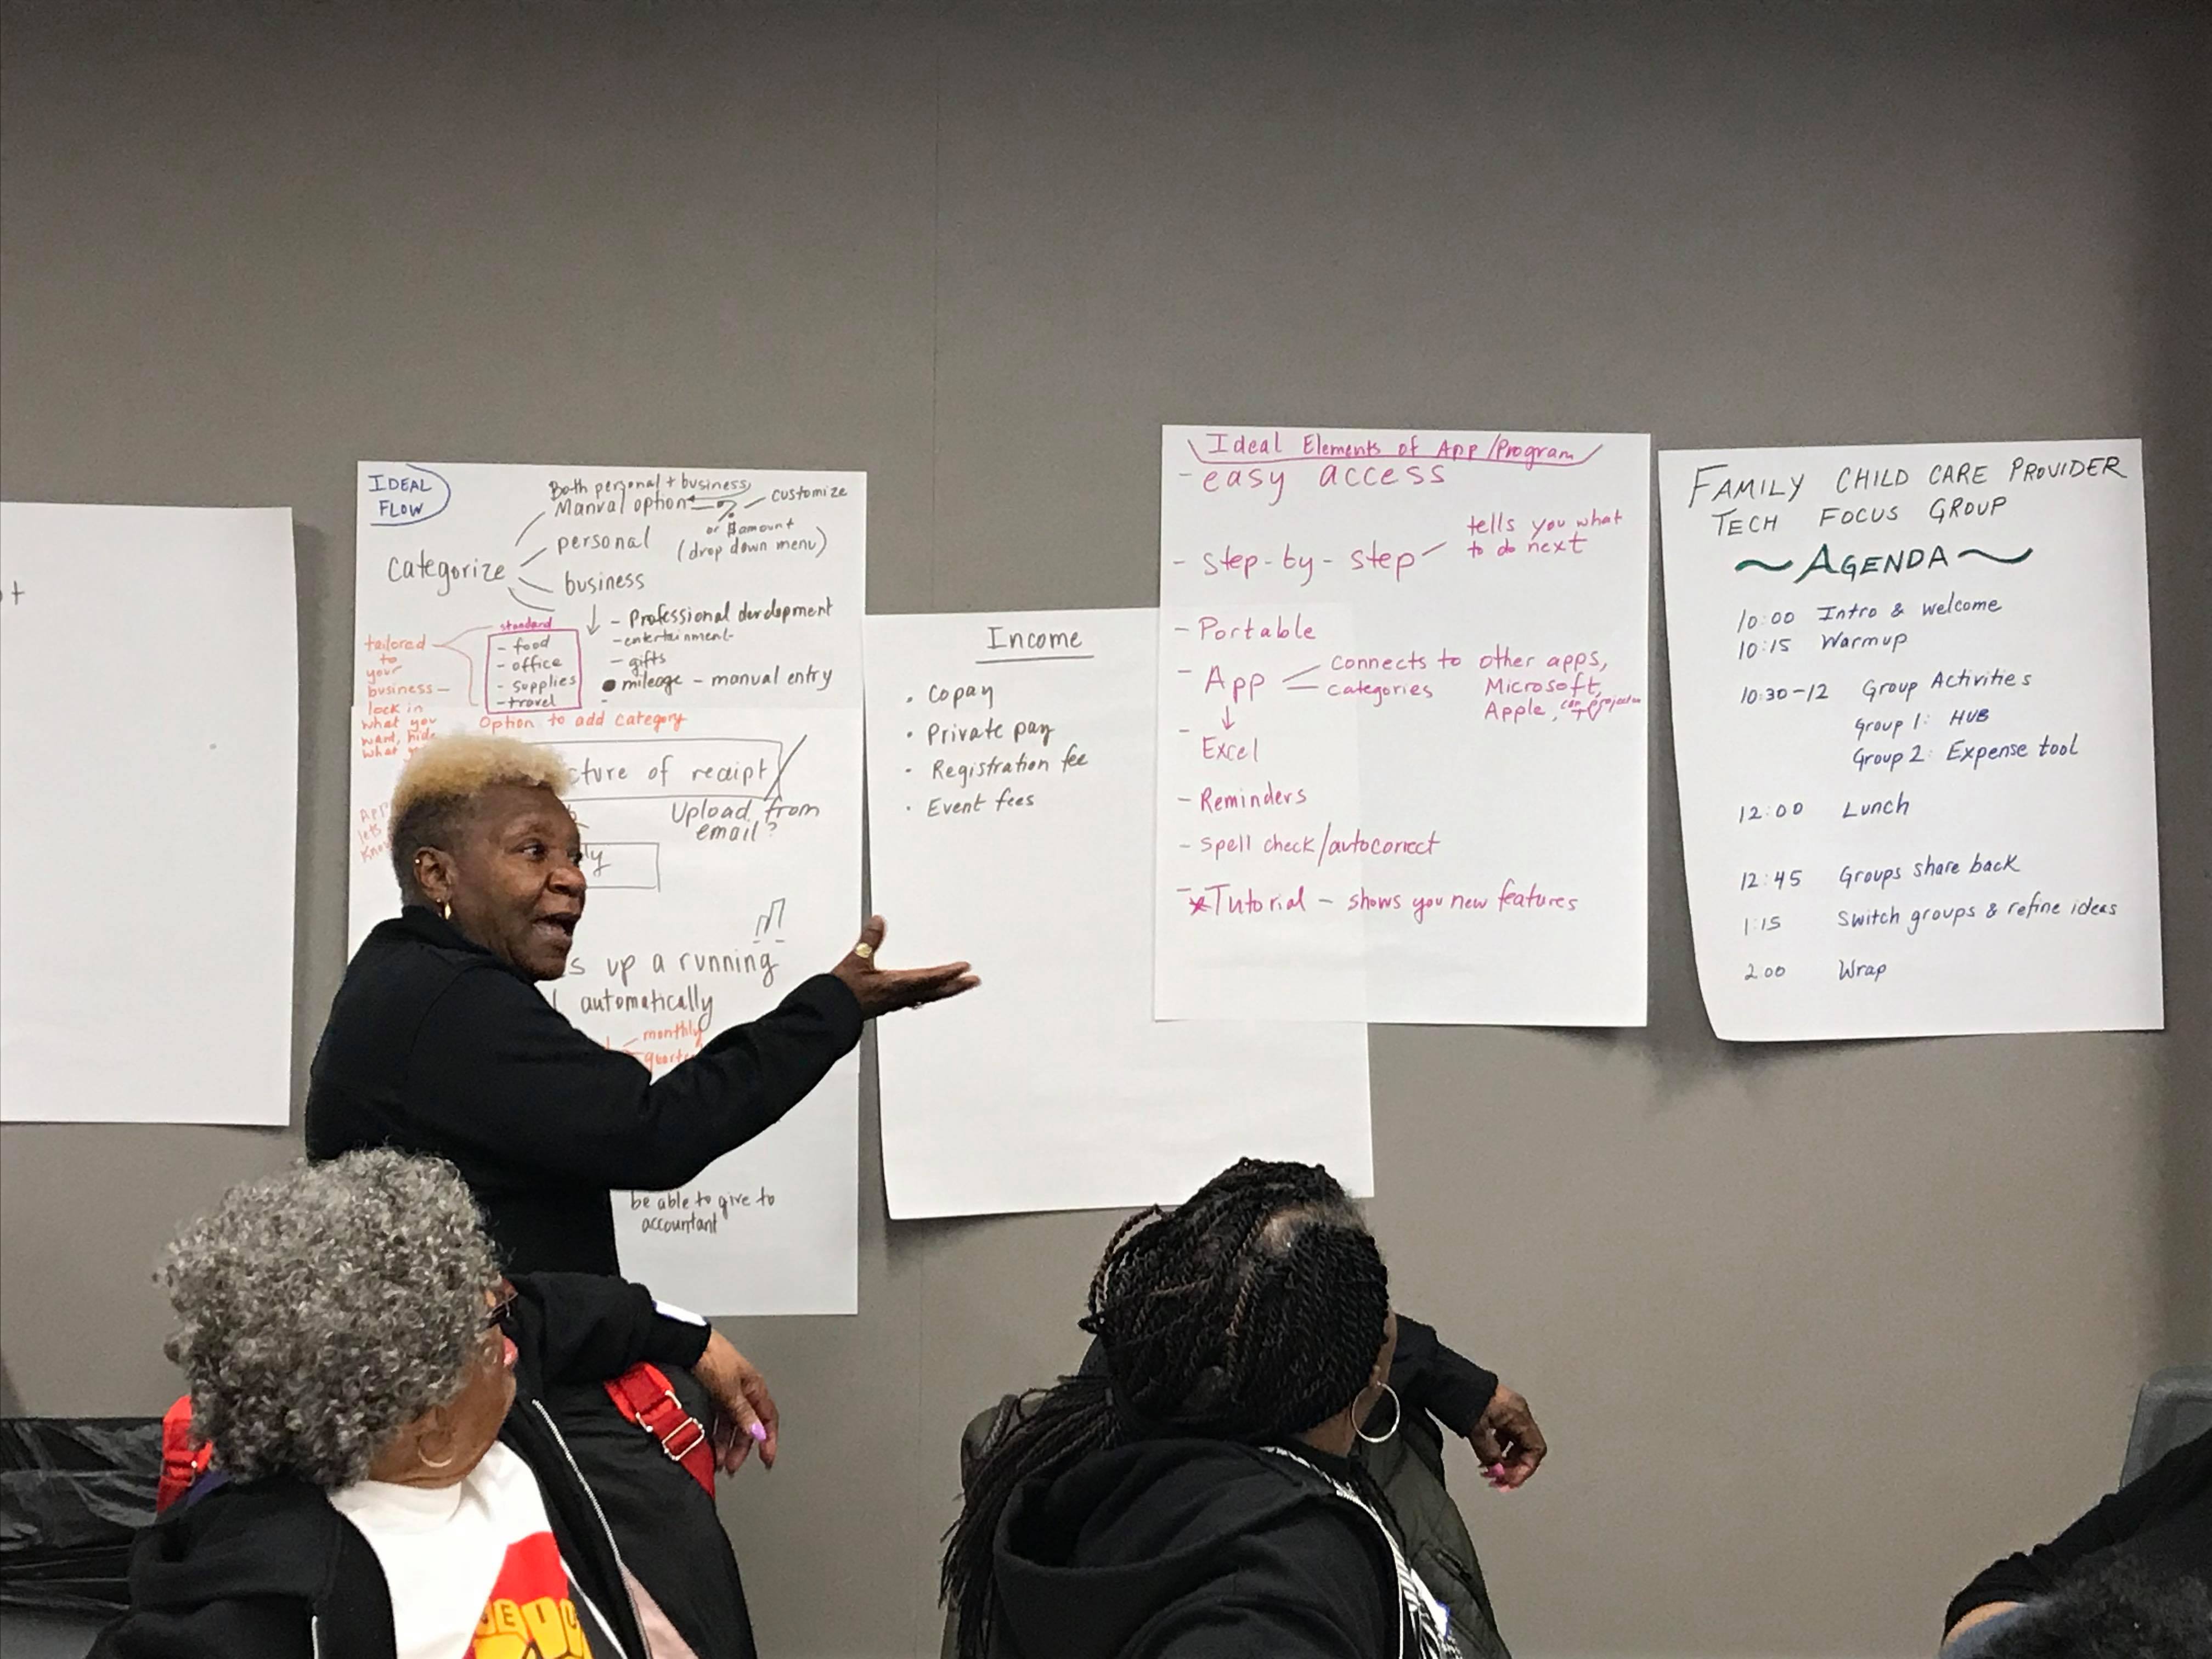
(501, 1317)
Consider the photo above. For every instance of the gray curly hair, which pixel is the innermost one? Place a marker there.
(325, 1308)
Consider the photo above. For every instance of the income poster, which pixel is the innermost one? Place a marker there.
(1011, 763)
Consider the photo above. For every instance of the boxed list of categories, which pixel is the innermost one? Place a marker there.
(1913, 727)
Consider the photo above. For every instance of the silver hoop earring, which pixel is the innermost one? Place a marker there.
(1397, 1416)
(437, 1463)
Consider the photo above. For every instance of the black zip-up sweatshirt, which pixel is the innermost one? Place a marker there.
(434, 1045)
(268, 1570)
(1194, 1549)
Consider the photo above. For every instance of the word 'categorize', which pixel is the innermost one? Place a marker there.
(1913, 727)
(689, 639)
(1010, 762)
(1402, 725)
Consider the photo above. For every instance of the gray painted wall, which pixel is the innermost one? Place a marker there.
(1815, 1329)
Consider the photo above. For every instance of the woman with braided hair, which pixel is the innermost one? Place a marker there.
(1198, 1497)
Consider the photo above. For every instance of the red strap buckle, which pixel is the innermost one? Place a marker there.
(642, 1394)
(182, 1461)
(669, 1437)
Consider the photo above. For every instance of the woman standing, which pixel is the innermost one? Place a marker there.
(438, 1042)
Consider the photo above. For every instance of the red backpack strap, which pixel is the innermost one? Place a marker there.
(182, 1460)
(641, 1394)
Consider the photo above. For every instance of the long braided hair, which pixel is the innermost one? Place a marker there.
(1250, 1312)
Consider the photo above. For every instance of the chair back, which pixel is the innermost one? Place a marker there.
(2174, 1407)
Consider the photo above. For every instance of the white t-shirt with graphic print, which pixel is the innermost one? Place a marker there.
(473, 1568)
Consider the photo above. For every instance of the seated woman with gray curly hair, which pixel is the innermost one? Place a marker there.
(386, 1483)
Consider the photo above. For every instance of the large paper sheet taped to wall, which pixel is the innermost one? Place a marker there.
(1402, 725)
(1912, 726)
(148, 771)
(639, 616)
(1010, 759)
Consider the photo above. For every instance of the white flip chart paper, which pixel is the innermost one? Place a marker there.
(1913, 727)
(148, 723)
(1010, 761)
(522, 589)
(723, 853)
(1402, 725)
(635, 606)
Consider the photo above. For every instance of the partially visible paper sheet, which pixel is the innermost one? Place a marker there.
(1912, 726)
(149, 721)
(1010, 759)
(642, 615)
(1402, 726)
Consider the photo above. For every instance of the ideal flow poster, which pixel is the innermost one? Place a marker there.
(691, 639)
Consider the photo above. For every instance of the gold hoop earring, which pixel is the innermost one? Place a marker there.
(436, 1462)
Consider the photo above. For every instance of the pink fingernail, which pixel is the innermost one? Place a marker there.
(756, 1430)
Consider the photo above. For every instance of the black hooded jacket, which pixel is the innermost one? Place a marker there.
(435, 1045)
(1194, 1549)
(268, 1570)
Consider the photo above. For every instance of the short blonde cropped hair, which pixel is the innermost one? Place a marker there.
(446, 775)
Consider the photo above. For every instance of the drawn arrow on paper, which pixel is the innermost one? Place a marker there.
(592, 626)
(1227, 725)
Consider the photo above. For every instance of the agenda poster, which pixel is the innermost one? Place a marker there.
(1912, 729)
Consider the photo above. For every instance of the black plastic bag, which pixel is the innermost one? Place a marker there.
(73, 1491)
